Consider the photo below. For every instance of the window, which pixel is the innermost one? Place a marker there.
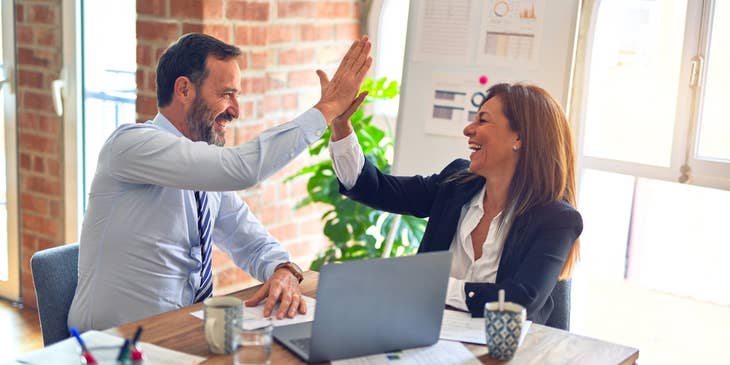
(634, 69)
(9, 250)
(99, 90)
(711, 150)
(714, 128)
(654, 90)
(654, 167)
(389, 17)
(109, 77)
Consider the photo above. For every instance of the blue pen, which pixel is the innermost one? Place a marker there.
(123, 351)
(137, 333)
(85, 351)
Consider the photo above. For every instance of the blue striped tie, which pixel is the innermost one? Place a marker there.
(204, 227)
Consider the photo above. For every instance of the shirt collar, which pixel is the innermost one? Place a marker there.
(477, 201)
(165, 124)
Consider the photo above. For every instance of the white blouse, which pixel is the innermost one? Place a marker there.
(348, 161)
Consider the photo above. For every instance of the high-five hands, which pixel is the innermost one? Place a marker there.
(341, 126)
(338, 102)
(339, 94)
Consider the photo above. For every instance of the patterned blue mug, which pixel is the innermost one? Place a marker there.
(503, 328)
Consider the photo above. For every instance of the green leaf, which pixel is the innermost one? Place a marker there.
(336, 231)
(357, 116)
(355, 252)
(367, 85)
(304, 202)
(376, 134)
(391, 91)
(304, 171)
(379, 85)
(328, 256)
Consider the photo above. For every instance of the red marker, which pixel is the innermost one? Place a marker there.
(136, 356)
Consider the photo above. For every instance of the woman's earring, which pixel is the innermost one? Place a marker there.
(514, 148)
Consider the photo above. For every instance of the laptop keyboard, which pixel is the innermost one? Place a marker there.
(302, 343)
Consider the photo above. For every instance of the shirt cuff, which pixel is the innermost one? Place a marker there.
(455, 295)
(271, 268)
(312, 124)
(347, 159)
(344, 145)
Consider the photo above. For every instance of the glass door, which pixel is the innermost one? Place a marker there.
(100, 90)
(9, 257)
(109, 68)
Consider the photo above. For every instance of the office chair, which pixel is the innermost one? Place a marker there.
(560, 317)
(55, 273)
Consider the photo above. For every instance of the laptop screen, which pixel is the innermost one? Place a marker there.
(379, 305)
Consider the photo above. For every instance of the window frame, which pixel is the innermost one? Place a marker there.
(72, 110)
(10, 289)
(684, 140)
(705, 172)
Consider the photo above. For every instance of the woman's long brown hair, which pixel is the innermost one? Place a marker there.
(545, 171)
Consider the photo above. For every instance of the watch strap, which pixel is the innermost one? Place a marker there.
(293, 268)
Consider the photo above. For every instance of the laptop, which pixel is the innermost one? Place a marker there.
(373, 306)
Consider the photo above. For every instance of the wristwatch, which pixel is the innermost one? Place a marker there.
(293, 268)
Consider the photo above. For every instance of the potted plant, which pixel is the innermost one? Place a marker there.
(354, 230)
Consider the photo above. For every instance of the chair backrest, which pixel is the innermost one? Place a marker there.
(560, 317)
(55, 273)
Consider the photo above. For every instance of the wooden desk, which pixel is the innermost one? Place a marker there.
(178, 330)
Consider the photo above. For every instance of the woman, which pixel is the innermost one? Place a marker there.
(508, 214)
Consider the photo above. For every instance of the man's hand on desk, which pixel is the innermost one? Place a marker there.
(281, 287)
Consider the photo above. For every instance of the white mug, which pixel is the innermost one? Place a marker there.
(221, 314)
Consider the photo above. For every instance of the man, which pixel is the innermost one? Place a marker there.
(163, 191)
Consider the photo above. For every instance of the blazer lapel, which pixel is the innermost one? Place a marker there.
(442, 225)
(514, 236)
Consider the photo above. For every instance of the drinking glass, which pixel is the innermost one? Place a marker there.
(253, 346)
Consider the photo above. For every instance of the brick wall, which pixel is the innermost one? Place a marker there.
(283, 42)
(40, 144)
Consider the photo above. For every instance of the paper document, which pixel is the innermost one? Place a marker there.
(68, 352)
(443, 31)
(460, 326)
(511, 32)
(442, 353)
(253, 317)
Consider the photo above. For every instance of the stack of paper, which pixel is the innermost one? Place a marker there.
(460, 326)
(456, 326)
(253, 317)
(442, 353)
(67, 352)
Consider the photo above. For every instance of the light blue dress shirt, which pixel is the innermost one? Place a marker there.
(140, 249)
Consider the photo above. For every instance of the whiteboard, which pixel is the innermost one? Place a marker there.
(452, 46)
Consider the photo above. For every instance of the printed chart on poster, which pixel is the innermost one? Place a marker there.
(456, 98)
(510, 31)
(456, 50)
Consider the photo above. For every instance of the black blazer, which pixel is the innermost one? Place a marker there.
(534, 252)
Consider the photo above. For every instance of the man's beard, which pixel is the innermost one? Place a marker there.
(200, 121)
